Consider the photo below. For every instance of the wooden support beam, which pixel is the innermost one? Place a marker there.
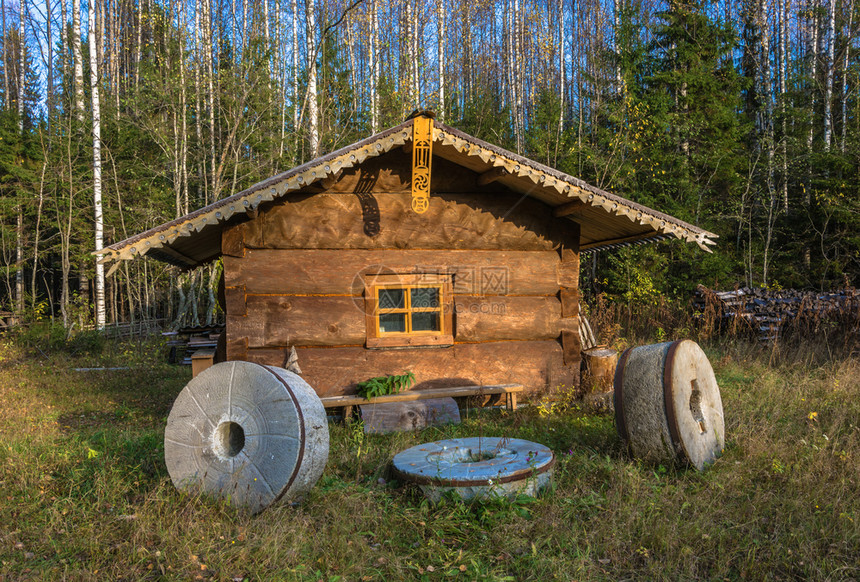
(619, 241)
(491, 176)
(568, 208)
(167, 250)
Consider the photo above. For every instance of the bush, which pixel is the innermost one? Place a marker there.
(49, 337)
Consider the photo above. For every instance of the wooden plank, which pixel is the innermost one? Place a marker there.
(537, 365)
(201, 360)
(342, 272)
(409, 341)
(406, 416)
(410, 395)
(385, 220)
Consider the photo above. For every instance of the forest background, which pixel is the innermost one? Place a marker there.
(739, 116)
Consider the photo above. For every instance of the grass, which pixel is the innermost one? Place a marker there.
(84, 493)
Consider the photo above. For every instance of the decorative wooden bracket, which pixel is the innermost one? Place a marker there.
(422, 154)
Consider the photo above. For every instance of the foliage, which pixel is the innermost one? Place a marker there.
(384, 385)
(673, 105)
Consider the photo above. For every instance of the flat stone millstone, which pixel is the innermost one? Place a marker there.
(667, 404)
(447, 462)
(248, 433)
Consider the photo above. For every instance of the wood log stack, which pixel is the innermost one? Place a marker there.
(184, 342)
(770, 314)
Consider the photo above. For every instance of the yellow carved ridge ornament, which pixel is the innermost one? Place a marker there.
(422, 154)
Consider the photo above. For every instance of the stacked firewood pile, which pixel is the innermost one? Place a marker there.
(771, 314)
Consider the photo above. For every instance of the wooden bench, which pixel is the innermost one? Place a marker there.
(506, 391)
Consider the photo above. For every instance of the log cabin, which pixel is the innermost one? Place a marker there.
(418, 249)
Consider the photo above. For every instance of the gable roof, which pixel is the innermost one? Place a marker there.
(606, 220)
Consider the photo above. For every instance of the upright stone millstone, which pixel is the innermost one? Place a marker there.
(249, 433)
(667, 404)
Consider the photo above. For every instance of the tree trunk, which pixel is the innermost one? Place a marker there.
(374, 66)
(78, 59)
(19, 234)
(36, 233)
(828, 83)
(313, 111)
(49, 100)
(411, 56)
(210, 87)
(138, 43)
(562, 69)
(282, 79)
(183, 147)
(782, 15)
(5, 40)
(97, 165)
(849, 36)
(295, 85)
(440, 51)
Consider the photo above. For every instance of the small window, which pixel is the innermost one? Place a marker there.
(409, 310)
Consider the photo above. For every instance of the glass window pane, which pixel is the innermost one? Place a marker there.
(391, 299)
(392, 322)
(425, 321)
(425, 297)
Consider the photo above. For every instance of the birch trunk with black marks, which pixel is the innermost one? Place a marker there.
(97, 164)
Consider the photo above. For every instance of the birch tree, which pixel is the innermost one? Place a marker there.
(313, 110)
(97, 163)
(828, 76)
(440, 54)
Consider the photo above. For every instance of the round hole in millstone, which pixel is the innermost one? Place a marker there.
(696, 405)
(229, 439)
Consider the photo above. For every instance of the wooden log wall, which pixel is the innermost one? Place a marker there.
(295, 276)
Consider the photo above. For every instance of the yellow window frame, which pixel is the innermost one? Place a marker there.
(377, 338)
(408, 310)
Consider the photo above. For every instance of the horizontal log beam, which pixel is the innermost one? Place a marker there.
(342, 272)
(336, 371)
(282, 321)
